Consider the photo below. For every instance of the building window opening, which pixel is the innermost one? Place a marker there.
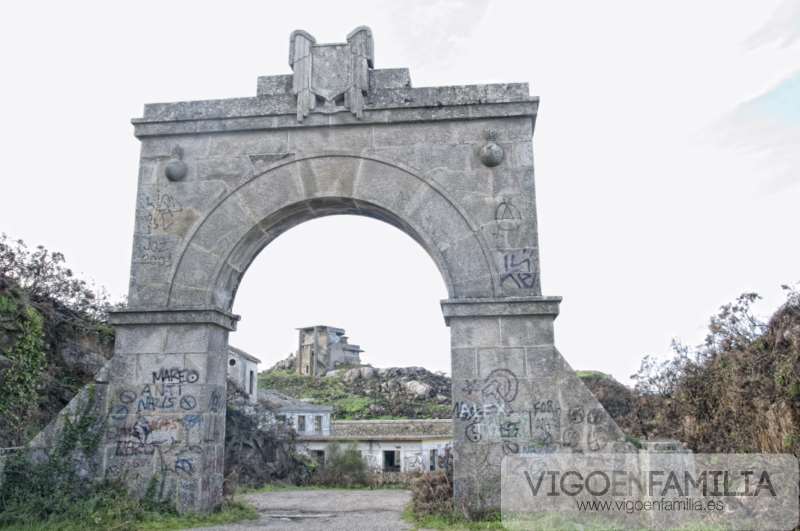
(252, 382)
(317, 423)
(301, 423)
(318, 456)
(391, 460)
(432, 459)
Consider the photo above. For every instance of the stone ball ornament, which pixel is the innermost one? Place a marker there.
(176, 169)
(491, 154)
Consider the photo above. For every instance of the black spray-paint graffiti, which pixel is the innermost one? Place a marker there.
(492, 416)
(215, 402)
(176, 376)
(152, 398)
(519, 268)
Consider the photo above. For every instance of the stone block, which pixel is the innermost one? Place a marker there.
(245, 143)
(232, 170)
(318, 140)
(475, 332)
(464, 363)
(526, 330)
(509, 359)
(465, 260)
(272, 191)
(140, 339)
(329, 176)
(543, 361)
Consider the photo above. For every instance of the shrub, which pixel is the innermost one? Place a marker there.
(432, 494)
(343, 467)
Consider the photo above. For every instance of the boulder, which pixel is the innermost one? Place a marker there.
(418, 389)
(368, 372)
(351, 375)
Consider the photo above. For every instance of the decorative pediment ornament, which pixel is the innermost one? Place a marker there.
(333, 76)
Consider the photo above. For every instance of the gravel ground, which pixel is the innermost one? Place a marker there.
(352, 510)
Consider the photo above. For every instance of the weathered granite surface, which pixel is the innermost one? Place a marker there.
(219, 180)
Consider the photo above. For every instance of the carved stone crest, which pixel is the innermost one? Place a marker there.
(331, 76)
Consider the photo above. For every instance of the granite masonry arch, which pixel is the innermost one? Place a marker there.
(309, 186)
(219, 179)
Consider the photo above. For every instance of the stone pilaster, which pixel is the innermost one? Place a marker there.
(166, 404)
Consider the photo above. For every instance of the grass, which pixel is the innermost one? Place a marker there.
(593, 375)
(450, 521)
(229, 513)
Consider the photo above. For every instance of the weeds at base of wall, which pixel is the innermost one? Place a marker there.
(57, 491)
(451, 520)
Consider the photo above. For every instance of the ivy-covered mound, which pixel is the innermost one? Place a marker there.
(53, 338)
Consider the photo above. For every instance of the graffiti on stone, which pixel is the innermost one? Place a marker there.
(159, 211)
(152, 250)
(576, 415)
(501, 385)
(413, 463)
(596, 416)
(215, 403)
(570, 438)
(518, 269)
(597, 439)
(175, 375)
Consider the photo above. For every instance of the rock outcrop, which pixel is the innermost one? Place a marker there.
(258, 448)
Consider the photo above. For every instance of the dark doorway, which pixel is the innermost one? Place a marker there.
(391, 460)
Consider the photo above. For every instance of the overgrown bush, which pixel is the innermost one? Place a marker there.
(432, 494)
(737, 392)
(45, 277)
(53, 337)
(343, 467)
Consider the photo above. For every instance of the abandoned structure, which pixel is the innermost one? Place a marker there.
(408, 445)
(304, 417)
(323, 348)
(243, 369)
(218, 180)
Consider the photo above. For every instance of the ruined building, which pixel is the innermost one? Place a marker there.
(322, 348)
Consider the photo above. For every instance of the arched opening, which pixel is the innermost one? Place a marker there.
(329, 271)
(221, 247)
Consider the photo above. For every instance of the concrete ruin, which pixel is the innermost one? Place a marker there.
(324, 348)
(243, 371)
(219, 180)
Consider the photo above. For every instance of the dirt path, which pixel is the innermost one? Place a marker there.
(351, 510)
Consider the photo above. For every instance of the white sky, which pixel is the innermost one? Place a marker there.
(666, 156)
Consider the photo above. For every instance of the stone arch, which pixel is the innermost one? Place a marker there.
(225, 242)
(219, 179)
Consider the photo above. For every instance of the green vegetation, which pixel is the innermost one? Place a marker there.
(53, 493)
(452, 520)
(343, 467)
(362, 399)
(23, 325)
(737, 392)
(122, 513)
(53, 333)
(328, 391)
(588, 375)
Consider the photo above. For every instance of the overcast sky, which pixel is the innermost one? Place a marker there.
(666, 155)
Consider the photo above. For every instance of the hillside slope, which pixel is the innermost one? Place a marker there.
(369, 393)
